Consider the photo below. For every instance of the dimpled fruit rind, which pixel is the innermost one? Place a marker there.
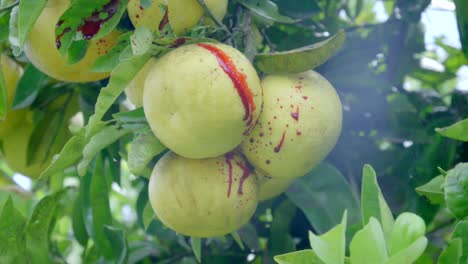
(299, 125)
(271, 187)
(203, 197)
(201, 99)
(134, 90)
(40, 48)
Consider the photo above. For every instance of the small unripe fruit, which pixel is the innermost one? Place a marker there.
(299, 125)
(40, 48)
(201, 99)
(203, 197)
(11, 73)
(134, 90)
(271, 187)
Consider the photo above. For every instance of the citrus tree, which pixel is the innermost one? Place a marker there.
(242, 131)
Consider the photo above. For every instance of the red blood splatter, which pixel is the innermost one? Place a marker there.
(295, 115)
(298, 133)
(261, 134)
(239, 80)
(164, 20)
(178, 42)
(305, 97)
(91, 25)
(228, 158)
(245, 175)
(280, 145)
(298, 87)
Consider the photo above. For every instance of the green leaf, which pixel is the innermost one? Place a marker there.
(458, 131)
(12, 222)
(323, 194)
(77, 51)
(368, 245)
(29, 12)
(109, 61)
(141, 41)
(330, 247)
(238, 240)
(299, 257)
(69, 155)
(92, 19)
(121, 76)
(373, 203)
(408, 228)
(100, 210)
(462, 20)
(13, 32)
(266, 9)
(280, 240)
(3, 93)
(38, 228)
(119, 243)
(134, 116)
(78, 225)
(142, 150)
(197, 247)
(410, 254)
(456, 190)
(28, 87)
(302, 59)
(452, 253)
(98, 142)
(5, 4)
(433, 190)
(461, 231)
(4, 26)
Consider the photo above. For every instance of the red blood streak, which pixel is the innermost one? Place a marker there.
(305, 97)
(298, 133)
(164, 21)
(278, 148)
(91, 25)
(239, 80)
(295, 115)
(228, 158)
(245, 175)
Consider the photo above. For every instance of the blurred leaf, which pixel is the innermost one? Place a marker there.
(433, 190)
(98, 142)
(235, 236)
(456, 190)
(280, 240)
(93, 19)
(409, 254)
(4, 4)
(407, 229)
(119, 243)
(29, 12)
(13, 32)
(196, 243)
(458, 131)
(330, 247)
(134, 116)
(28, 87)
(302, 59)
(452, 253)
(38, 228)
(4, 26)
(141, 40)
(69, 155)
(266, 9)
(79, 228)
(462, 20)
(108, 62)
(461, 231)
(77, 51)
(12, 223)
(3, 93)
(299, 257)
(368, 245)
(323, 194)
(121, 76)
(249, 236)
(142, 150)
(373, 203)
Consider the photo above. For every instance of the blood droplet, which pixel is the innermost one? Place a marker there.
(280, 145)
(295, 115)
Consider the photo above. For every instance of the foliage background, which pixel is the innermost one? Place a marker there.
(395, 89)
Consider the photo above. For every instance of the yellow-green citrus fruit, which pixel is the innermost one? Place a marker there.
(149, 17)
(40, 48)
(11, 72)
(299, 125)
(203, 197)
(15, 149)
(271, 187)
(201, 99)
(185, 14)
(134, 90)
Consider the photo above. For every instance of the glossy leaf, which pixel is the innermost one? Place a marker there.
(266, 9)
(302, 59)
(433, 190)
(408, 228)
(330, 247)
(12, 223)
(299, 257)
(322, 195)
(456, 190)
(373, 203)
(452, 253)
(368, 245)
(143, 149)
(458, 131)
(28, 87)
(29, 12)
(4, 4)
(410, 254)
(461, 231)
